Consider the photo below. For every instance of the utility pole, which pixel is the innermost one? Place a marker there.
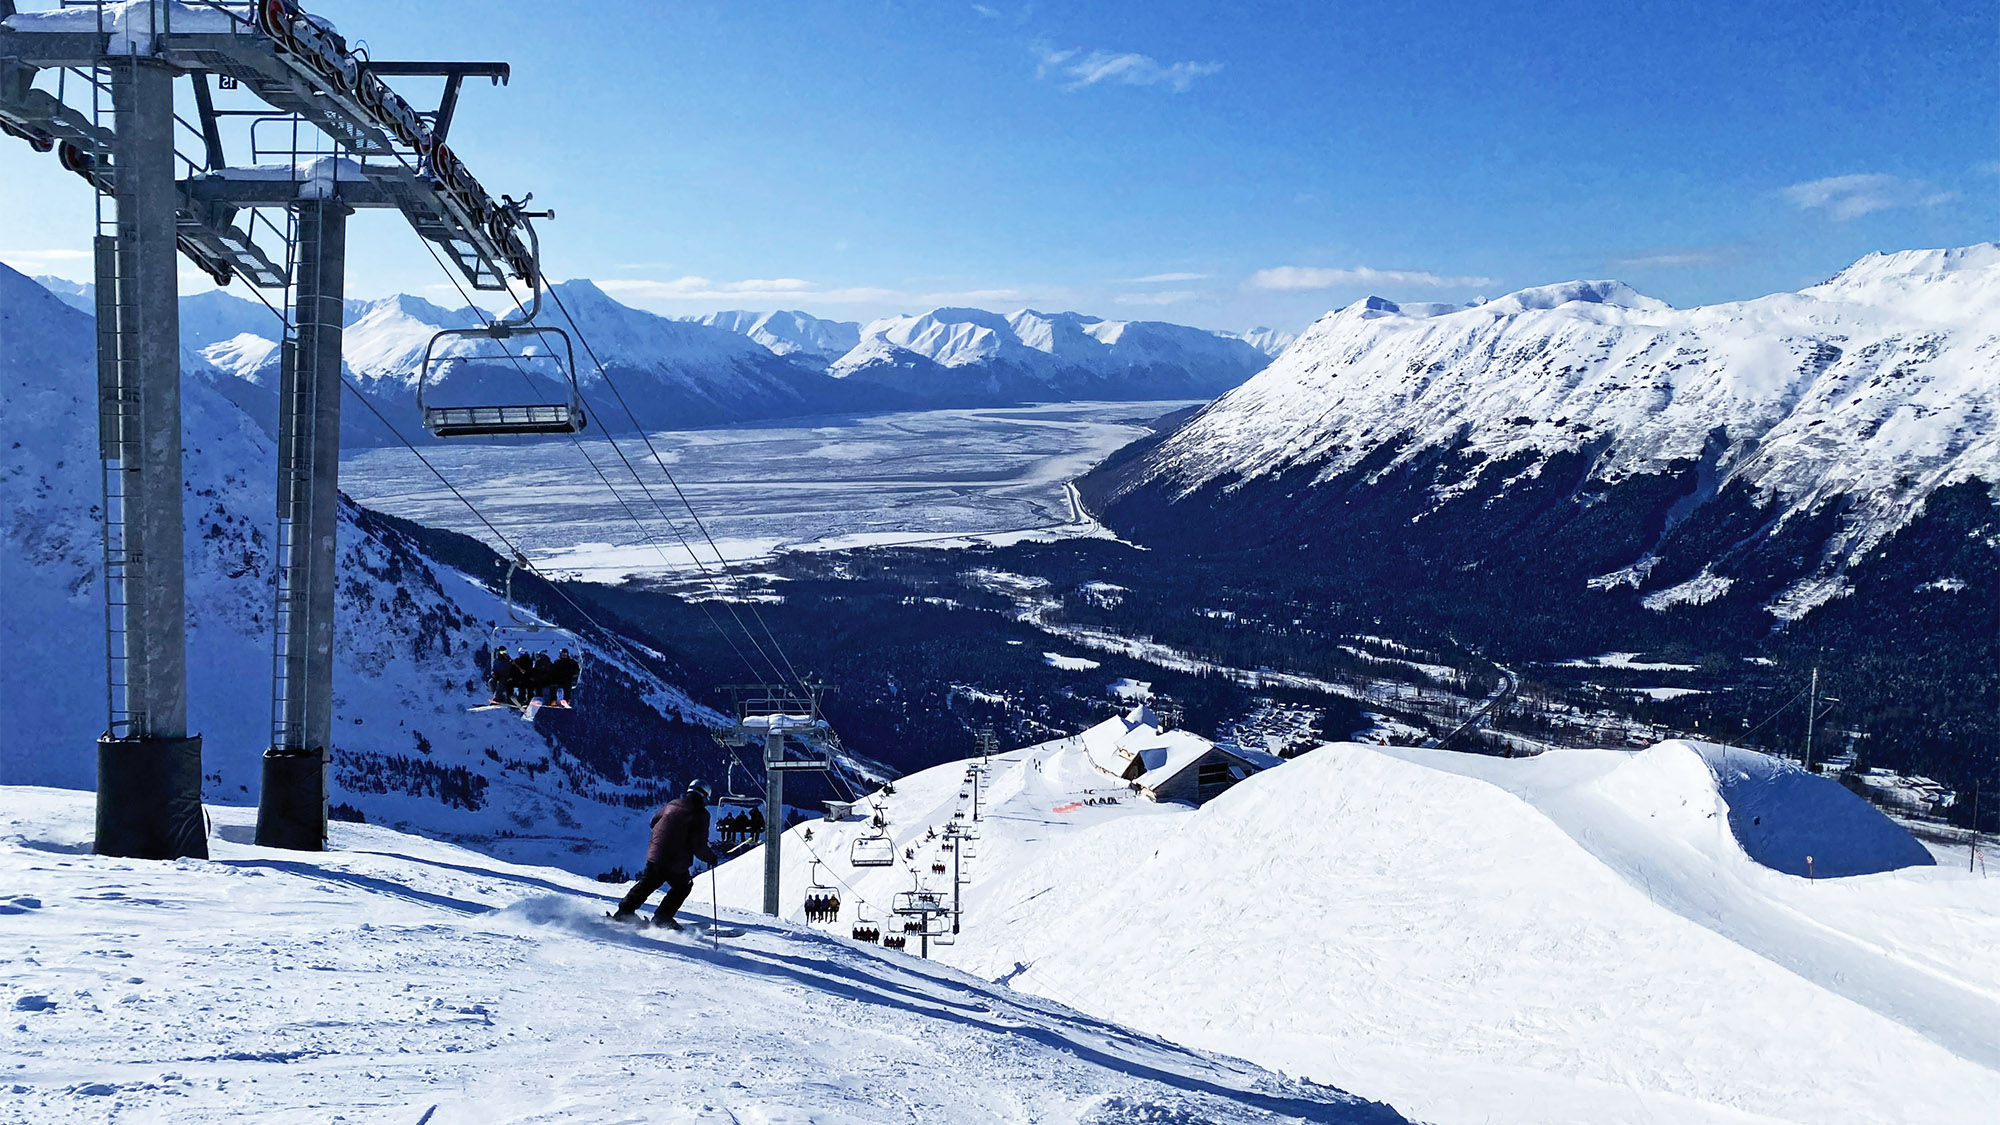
(957, 849)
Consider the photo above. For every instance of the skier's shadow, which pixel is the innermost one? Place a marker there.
(826, 976)
(366, 882)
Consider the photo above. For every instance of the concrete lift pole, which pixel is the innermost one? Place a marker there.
(148, 766)
(291, 810)
(774, 815)
(389, 155)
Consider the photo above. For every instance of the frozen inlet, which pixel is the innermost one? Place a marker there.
(482, 421)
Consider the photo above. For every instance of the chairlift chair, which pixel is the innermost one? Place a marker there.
(822, 901)
(876, 850)
(497, 341)
(521, 630)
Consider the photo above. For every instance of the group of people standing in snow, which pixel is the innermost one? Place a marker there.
(518, 680)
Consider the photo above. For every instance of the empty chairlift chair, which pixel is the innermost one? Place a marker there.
(872, 851)
(550, 353)
(521, 344)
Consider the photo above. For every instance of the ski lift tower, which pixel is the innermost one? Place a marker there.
(778, 715)
(96, 82)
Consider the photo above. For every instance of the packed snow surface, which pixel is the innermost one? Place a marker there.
(400, 980)
(1575, 937)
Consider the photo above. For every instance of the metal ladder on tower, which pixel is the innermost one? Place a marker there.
(119, 427)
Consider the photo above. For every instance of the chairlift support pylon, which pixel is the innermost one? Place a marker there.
(778, 715)
(111, 118)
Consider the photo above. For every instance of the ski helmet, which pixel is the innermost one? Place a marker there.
(702, 789)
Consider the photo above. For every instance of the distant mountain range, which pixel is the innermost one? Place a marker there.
(1710, 431)
(1579, 468)
(723, 367)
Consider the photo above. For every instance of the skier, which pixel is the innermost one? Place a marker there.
(680, 835)
(563, 672)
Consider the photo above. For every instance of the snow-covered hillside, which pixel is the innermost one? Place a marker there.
(399, 980)
(409, 634)
(1830, 415)
(948, 354)
(1270, 341)
(789, 332)
(1580, 936)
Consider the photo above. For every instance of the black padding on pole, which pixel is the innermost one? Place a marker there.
(291, 810)
(149, 798)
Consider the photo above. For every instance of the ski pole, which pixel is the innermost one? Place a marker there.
(714, 911)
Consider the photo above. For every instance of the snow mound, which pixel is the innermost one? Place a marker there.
(1471, 939)
(1779, 814)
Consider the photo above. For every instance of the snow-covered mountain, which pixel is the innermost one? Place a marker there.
(411, 633)
(1591, 438)
(76, 294)
(1271, 341)
(673, 373)
(724, 367)
(789, 332)
(961, 356)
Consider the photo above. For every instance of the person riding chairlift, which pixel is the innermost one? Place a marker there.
(563, 673)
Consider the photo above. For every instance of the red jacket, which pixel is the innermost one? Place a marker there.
(680, 833)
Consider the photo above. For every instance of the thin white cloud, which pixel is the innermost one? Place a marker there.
(792, 291)
(1164, 297)
(1676, 258)
(1162, 278)
(1129, 68)
(1863, 193)
(30, 261)
(1290, 278)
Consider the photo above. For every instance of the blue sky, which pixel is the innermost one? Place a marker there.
(1220, 165)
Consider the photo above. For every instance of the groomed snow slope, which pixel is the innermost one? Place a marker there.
(400, 980)
(1575, 937)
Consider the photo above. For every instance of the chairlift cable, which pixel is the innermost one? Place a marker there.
(720, 558)
(693, 556)
(638, 661)
(651, 539)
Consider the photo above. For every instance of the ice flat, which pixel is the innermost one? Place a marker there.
(938, 476)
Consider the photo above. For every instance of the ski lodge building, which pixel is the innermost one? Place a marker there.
(1174, 765)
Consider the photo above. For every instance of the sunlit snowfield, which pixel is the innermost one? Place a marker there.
(929, 476)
